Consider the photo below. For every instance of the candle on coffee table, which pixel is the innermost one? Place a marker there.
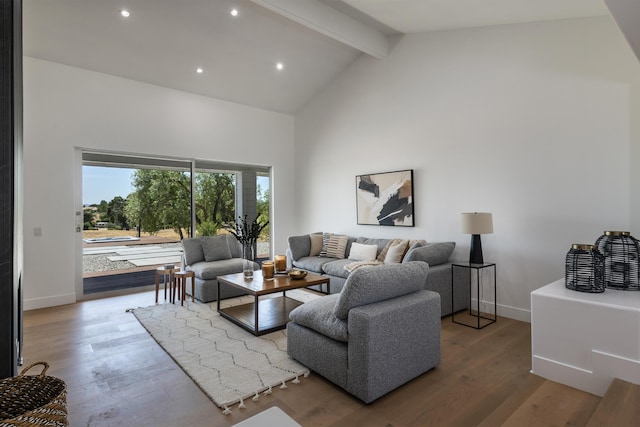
(281, 263)
(267, 270)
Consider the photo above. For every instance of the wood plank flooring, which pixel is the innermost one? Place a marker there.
(117, 375)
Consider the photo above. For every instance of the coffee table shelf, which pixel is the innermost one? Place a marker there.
(273, 314)
(268, 314)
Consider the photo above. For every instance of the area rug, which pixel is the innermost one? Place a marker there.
(228, 363)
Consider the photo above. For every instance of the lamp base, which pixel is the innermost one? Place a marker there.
(475, 253)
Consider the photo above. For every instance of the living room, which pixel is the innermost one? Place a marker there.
(505, 119)
(536, 122)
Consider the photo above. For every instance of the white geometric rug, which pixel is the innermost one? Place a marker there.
(228, 363)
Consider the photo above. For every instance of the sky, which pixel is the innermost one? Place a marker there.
(105, 183)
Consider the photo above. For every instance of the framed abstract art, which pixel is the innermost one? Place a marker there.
(385, 198)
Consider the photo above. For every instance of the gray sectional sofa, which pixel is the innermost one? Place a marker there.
(379, 332)
(302, 254)
(209, 257)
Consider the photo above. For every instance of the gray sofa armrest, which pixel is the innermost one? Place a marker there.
(385, 353)
(435, 253)
(289, 256)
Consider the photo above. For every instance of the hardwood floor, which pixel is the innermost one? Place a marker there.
(117, 375)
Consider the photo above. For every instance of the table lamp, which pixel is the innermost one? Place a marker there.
(476, 223)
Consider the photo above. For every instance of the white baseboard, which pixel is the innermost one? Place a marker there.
(52, 301)
(514, 313)
(505, 311)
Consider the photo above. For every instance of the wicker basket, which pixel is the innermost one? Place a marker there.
(33, 400)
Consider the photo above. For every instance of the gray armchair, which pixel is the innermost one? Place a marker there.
(379, 332)
(209, 257)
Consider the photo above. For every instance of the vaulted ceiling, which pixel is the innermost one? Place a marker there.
(162, 42)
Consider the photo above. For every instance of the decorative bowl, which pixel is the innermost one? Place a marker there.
(297, 274)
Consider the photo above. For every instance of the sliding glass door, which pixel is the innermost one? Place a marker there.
(138, 209)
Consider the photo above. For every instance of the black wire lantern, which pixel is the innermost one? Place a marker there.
(584, 269)
(621, 260)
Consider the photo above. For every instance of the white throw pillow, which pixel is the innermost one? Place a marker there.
(360, 252)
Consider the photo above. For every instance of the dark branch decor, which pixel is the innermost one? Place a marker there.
(247, 234)
(385, 198)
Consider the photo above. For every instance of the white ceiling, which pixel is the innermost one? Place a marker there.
(417, 16)
(163, 41)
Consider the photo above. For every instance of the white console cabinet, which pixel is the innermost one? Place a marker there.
(585, 340)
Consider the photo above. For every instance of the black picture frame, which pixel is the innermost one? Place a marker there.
(385, 198)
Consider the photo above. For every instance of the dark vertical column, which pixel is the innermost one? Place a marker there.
(10, 155)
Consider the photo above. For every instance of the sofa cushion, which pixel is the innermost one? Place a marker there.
(416, 244)
(316, 244)
(192, 250)
(368, 285)
(300, 246)
(336, 268)
(362, 252)
(211, 270)
(432, 253)
(215, 248)
(311, 263)
(318, 315)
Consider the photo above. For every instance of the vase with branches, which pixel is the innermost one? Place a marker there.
(247, 234)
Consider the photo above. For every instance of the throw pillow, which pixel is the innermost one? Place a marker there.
(360, 252)
(192, 249)
(383, 253)
(333, 245)
(316, 244)
(396, 252)
(215, 248)
(299, 246)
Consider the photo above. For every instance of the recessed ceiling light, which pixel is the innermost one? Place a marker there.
(279, 66)
(124, 13)
(234, 12)
(199, 70)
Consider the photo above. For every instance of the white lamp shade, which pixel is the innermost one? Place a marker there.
(477, 223)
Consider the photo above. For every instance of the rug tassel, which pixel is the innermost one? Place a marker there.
(241, 405)
(268, 391)
(296, 380)
(256, 397)
(283, 385)
(226, 411)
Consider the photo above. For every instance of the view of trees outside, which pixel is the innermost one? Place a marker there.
(161, 200)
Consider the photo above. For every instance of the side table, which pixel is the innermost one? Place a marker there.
(475, 318)
(181, 284)
(167, 279)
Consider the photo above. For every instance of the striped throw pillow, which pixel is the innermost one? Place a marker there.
(333, 245)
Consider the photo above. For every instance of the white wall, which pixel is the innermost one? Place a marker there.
(67, 107)
(534, 122)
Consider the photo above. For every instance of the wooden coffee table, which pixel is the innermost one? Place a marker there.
(268, 314)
